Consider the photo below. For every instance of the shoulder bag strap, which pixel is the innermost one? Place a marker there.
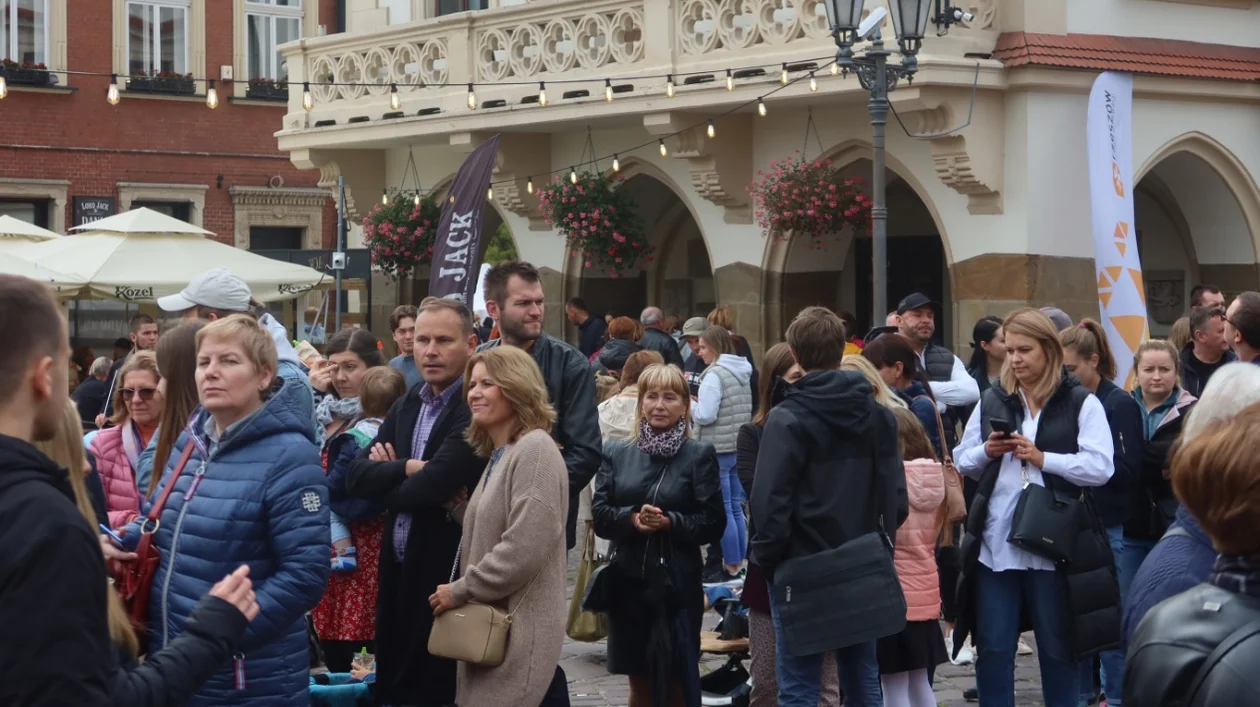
(1225, 646)
(155, 511)
(946, 459)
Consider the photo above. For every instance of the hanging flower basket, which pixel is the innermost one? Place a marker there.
(808, 198)
(25, 73)
(598, 221)
(399, 235)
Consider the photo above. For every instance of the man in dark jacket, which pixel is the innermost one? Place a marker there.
(1242, 326)
(953, 388)
(514, 296)
(590, 327)
(422, 467)
(691, 331)
(1207, 351)
(829, 471)
(52, 574)
(657, 339)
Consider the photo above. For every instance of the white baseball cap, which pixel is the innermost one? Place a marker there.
(217, 288)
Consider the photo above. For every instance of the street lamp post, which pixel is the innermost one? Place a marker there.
(910, 19)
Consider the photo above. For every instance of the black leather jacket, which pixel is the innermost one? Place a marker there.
(571, 387)
(686, 486)
(1175, 638)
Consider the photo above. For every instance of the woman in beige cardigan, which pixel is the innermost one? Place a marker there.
(512, 547)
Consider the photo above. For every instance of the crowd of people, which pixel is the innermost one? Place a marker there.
(244, 525)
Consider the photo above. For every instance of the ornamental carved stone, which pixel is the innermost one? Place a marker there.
(968, 156)
(521, 159)
(719, 165)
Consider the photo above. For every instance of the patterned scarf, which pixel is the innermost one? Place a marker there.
(1237, 573)
(662, 444)
(333, 408)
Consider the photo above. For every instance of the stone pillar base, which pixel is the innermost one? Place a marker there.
(994, 284)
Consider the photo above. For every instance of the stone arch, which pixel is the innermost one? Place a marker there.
(777, 251)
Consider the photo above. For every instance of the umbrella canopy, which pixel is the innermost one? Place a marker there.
(65, 285)
(142, 220)
(14, 231)
(141, 266)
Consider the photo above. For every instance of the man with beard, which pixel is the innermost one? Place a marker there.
(52, 578)
(952, 386)
(514, 297)
(422, 466)
(144, 336)
(1207, 351)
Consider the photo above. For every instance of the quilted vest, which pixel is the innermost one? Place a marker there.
(734, 410)
(939, 362)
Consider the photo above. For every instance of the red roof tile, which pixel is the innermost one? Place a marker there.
(1143, 55)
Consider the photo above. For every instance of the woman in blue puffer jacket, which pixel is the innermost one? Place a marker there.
(252, 492)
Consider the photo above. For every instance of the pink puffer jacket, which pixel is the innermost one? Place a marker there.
(915, 557)
(121, 495)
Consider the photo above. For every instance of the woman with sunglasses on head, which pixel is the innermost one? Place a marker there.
(137, 408)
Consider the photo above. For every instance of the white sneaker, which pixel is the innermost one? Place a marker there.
(966, 656)
(1023, 648)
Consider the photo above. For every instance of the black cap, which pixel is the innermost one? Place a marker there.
(915, 300)
(879, 331)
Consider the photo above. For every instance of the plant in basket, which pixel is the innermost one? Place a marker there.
(808, 198)
(25, 73)
(399, 235)
(598, 221)
(268, 89)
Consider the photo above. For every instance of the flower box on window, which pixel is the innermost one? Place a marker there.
(267, 90)
(168, 83)
(25, 73)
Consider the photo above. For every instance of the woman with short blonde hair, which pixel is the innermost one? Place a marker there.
(658, 499)
(138, 403)
(512, 549)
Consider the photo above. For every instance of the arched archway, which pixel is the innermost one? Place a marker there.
(679, 279)
(1197, 219)
(839, 276)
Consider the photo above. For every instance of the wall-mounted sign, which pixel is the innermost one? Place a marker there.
(92, 208)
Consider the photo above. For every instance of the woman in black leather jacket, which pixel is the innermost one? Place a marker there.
(1200, 648)
(658, 498)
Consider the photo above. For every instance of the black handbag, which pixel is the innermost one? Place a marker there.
(840, 597)
(1046, 520)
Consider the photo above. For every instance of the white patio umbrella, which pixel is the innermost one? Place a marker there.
(16, 234)
(65, 285)
(141, 255)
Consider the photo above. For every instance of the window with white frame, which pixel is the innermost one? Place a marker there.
(24, 31)
(268, 24)
(157, 37)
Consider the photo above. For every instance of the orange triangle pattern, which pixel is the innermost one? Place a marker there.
(1132, 328)
(1120, 246)
(1114, 271)
(1105, 297)
(1103, 281)
(1122, 230)
(1137, 280)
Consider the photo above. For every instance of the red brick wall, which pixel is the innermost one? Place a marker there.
(81, 138)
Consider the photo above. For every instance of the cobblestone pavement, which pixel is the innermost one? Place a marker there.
(590, 685)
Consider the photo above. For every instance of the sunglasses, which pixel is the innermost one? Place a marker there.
(145, 394)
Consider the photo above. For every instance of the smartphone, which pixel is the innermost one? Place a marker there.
(1002, 427)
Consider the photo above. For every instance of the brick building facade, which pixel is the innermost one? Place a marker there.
(67, 154)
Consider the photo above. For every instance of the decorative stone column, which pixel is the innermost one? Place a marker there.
(739, 286)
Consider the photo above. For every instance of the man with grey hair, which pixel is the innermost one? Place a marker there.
(1058, 316)
(1184, 557)
(89, 396)
(657, 339)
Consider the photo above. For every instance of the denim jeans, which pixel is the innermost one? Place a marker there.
(735, 537)
(1000, 596)
(1112, 660)
(800, 678)
(1129, 560)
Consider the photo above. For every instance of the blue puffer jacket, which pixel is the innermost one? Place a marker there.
(260, 500)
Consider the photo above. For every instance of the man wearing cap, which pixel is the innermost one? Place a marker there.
(951, 385)
(694, 366)
(218, 293)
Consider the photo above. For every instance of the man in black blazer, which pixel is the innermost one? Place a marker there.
(420, 463)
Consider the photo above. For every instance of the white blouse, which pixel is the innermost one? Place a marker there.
(1091, 466)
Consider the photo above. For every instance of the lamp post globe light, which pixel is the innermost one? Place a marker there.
(910, 20)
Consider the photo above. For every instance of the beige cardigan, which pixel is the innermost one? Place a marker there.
(513, 532)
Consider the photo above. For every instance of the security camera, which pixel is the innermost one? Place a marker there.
(871, 24)
(961, 15)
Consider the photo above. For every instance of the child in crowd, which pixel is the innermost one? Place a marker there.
(906, 658)
(381, 386)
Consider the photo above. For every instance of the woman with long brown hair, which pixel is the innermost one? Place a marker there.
(177, 364)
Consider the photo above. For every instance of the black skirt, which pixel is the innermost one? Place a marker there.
(918, 646)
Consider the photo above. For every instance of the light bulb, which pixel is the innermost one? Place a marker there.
(490, 193)
(730, 81)
(813, 84)
(4, 87)
(573, 175)
(384, 198)
(395, 101)
(212, 96)
(669, 85)
(608, 92)
(664, 150)
(308, 101)
(616, 164)
(113, 96)
(783, 75)
(761, 108)
(417, 198)
(712, 131)
(542, 94)
(835, 69)
(472, 98)
(529, 185)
